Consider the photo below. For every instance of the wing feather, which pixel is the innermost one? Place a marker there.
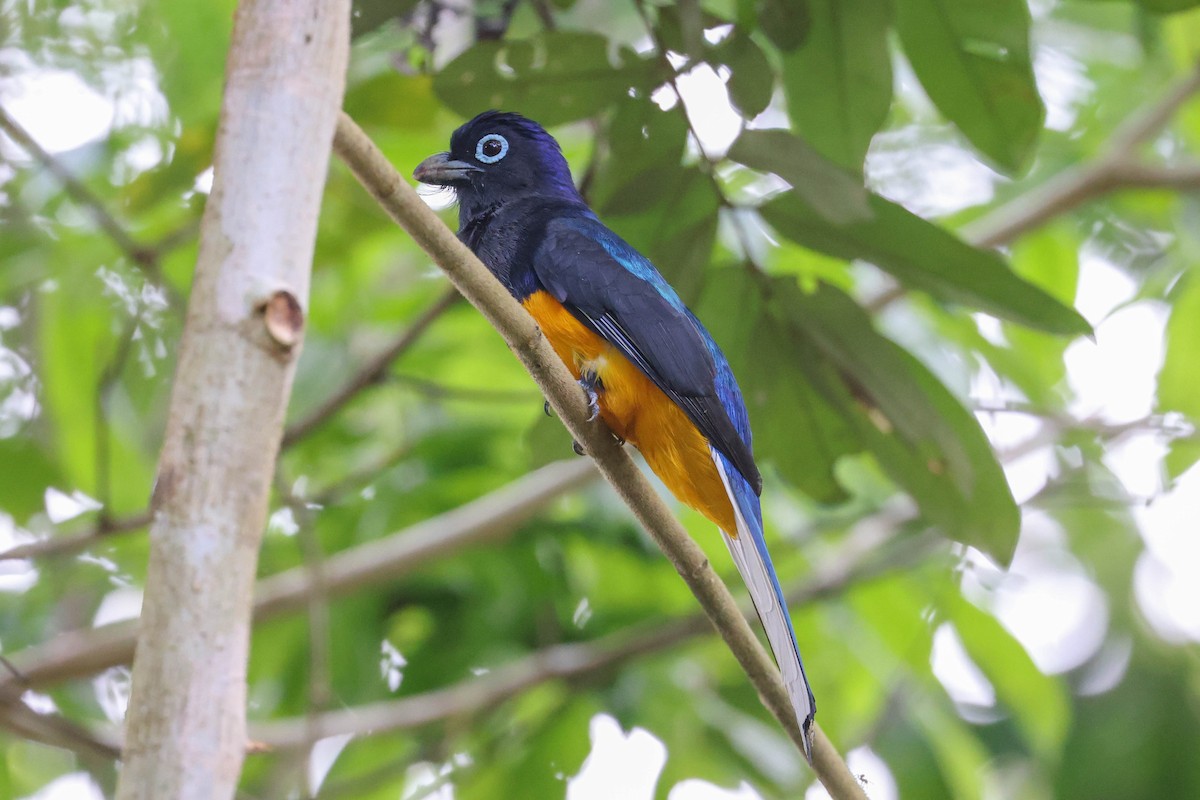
(616, 292)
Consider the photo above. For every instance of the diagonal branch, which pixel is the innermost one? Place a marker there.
(863, 560)
(491, 517)
(66, 545)
(873, 551)
(371, 373)
(54, 729)
(146, 257)
(529, 345)
(78, 190)
(1116, 169)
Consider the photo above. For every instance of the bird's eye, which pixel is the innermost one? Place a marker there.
(491, 148)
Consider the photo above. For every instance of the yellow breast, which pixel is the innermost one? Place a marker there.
(638, 412)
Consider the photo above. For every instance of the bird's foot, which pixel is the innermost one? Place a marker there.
(590, 382)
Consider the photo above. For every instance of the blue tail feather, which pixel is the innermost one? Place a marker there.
(749, 550)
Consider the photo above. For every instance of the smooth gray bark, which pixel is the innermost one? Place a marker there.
(185, 736)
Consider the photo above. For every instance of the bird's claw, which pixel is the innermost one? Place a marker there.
(546, 409)
(577, 447)
(590, 383)
(593, 401)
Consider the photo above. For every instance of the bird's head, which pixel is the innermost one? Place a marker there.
(496, 158)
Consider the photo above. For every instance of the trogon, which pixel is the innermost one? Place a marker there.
(647, 364)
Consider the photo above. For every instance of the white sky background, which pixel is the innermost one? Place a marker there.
(1046, 599)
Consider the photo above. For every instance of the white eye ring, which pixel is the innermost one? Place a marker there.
(491, 138)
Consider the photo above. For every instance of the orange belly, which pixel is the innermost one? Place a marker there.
(639, 412)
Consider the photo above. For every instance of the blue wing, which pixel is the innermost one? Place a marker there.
(614, 290)
(617, 292)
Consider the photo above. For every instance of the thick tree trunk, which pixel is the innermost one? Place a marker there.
(185, 734)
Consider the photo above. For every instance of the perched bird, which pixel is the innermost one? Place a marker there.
(647, 364)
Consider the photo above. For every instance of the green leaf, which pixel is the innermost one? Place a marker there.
(676, 234)
(839, 83)
(189, 42)
(926, 257)
(1179, 380)
(785, 22)
(553, 78)
(681, 28)
(1039, 703)
(751, 77)
(646, 150)
(392, 100)
(1167, 6)
(31, 764)
(960, 754)
(31, 471)
(920, 433)
(799, 431)
(972, 57)
(834, 193)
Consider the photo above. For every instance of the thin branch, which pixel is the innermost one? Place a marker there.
(68, 545)
(77, 190)
(545, 14)
(54, 729)
(371, 372)
(340, 488)
(148, 258)
(1117, 168)
(1181, 177)
(529, 345)
(874, 550)
(1112, 432)
(863, 560)
(490, 518)
(439, 391)
(1151, 119)
(320, 667)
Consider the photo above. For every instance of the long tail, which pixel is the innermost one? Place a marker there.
(749, 550)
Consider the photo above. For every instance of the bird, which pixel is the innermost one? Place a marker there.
(647, 365)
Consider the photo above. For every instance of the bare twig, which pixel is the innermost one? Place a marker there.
(440, 391)
(339, 489)
(873, 550)
(525, 340)
(1052, 429)
(54, 729)
(68, 545)
(372, 372)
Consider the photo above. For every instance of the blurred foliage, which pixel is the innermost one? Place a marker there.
(878, 349)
